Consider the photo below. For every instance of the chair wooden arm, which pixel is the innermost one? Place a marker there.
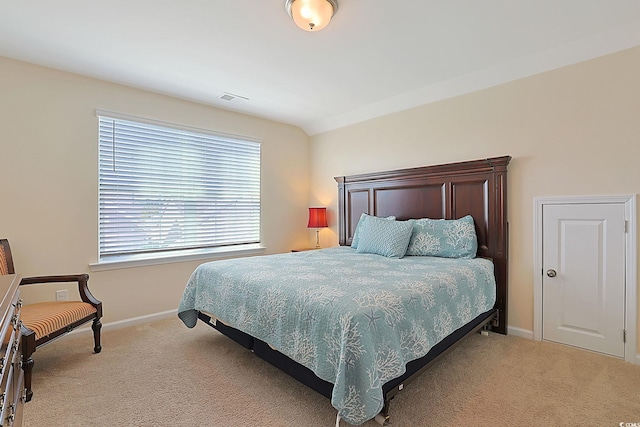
(81, 279)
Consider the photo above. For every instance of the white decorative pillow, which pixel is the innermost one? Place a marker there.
(361, 221)
(454, 238)
(384, 237)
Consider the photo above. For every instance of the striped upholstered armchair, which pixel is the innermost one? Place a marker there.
(45, 321)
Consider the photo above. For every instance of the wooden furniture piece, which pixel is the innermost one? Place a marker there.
(477, 188)
(12, 376)
(449, 191)
(45, 321)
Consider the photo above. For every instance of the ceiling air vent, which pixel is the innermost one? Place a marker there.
(230, 97)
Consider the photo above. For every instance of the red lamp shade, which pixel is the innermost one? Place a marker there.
(317, 218)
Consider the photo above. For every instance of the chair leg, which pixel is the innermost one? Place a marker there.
(28, 348)
(27, 366)
(96, 326)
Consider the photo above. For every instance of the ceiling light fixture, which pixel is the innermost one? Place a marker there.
(311, 15)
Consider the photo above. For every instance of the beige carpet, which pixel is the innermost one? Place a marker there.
(164, 374)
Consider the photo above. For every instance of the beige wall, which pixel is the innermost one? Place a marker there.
(48, 150)
(573, 131)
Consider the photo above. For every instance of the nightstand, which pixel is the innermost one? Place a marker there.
(303, 249)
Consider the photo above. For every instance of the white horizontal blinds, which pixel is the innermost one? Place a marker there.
(164, 189)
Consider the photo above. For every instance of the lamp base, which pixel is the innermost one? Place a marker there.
(317, 238)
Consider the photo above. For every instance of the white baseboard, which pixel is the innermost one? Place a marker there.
(129, 322)
(519, 332)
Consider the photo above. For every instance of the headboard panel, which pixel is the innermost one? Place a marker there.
(477, 188)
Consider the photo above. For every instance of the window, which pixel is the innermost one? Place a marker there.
(164, 189)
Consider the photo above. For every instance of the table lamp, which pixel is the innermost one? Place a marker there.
(317, 220)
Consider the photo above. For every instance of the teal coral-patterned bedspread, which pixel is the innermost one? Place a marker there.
(354, 319)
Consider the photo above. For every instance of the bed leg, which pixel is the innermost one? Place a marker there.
(382, 419)
(485, 330)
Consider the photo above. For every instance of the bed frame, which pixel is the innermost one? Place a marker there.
(449, 191)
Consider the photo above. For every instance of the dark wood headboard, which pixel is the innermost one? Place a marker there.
(450, 191)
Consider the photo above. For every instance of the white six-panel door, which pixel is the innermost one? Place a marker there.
(583, 276)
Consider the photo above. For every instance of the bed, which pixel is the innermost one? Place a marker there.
(354, 325)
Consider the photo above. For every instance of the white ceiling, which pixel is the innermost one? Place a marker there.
(374, 58)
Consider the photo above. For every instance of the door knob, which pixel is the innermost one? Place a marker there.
(551, 273)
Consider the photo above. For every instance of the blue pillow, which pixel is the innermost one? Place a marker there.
(361, 221)
(453, 238)
(385, 237)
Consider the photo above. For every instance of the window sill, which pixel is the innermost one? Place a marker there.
(131, 261)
